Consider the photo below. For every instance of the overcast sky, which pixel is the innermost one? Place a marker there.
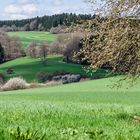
(21, 9)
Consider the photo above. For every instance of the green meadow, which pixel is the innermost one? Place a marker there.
(27, 37)
(29, 67)
(81, 111)
(88, 110)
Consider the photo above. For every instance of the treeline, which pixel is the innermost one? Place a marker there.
(44, 23)
(66, 44)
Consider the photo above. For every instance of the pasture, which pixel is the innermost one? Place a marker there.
(84, 111)
(29, 67)
(27, 37)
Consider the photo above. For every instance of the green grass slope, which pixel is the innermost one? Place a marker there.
(86, 110)
(27, 37)
(28, 67)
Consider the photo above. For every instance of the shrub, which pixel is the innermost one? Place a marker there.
(56, 76)
(15, 84)
(70, 78)
(10, 71)
(41, 76)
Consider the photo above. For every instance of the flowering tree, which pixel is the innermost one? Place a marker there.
(114, 37)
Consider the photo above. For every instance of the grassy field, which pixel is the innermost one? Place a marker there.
(80, 111)
(90, 110)
(28, 67)
(28, 37)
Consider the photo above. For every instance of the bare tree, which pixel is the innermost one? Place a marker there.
(71, 47)
(26, 27)
(32, 50)
(33, 25)
(12, 46)
(43, 52)
(14, 28)
(40, 27)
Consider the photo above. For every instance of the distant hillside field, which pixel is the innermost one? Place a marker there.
(27, 37)
(28, 67)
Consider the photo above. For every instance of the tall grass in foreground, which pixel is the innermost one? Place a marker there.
(87, 110)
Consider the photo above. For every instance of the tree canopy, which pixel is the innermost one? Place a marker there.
(115, 40)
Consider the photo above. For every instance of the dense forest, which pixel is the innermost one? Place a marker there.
(44, 23)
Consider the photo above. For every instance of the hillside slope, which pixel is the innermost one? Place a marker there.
(28, 67)
(28, 37)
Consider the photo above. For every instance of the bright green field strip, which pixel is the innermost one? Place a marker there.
(28, 37)
(28, 67)
(71, 111)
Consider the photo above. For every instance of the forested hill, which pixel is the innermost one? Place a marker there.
(43, 23)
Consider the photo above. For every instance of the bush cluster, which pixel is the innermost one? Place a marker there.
(44, 77)
(14, 84)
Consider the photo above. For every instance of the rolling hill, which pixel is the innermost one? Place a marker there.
(27, 37)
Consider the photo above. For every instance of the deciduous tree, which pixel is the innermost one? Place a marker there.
(114, 38)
